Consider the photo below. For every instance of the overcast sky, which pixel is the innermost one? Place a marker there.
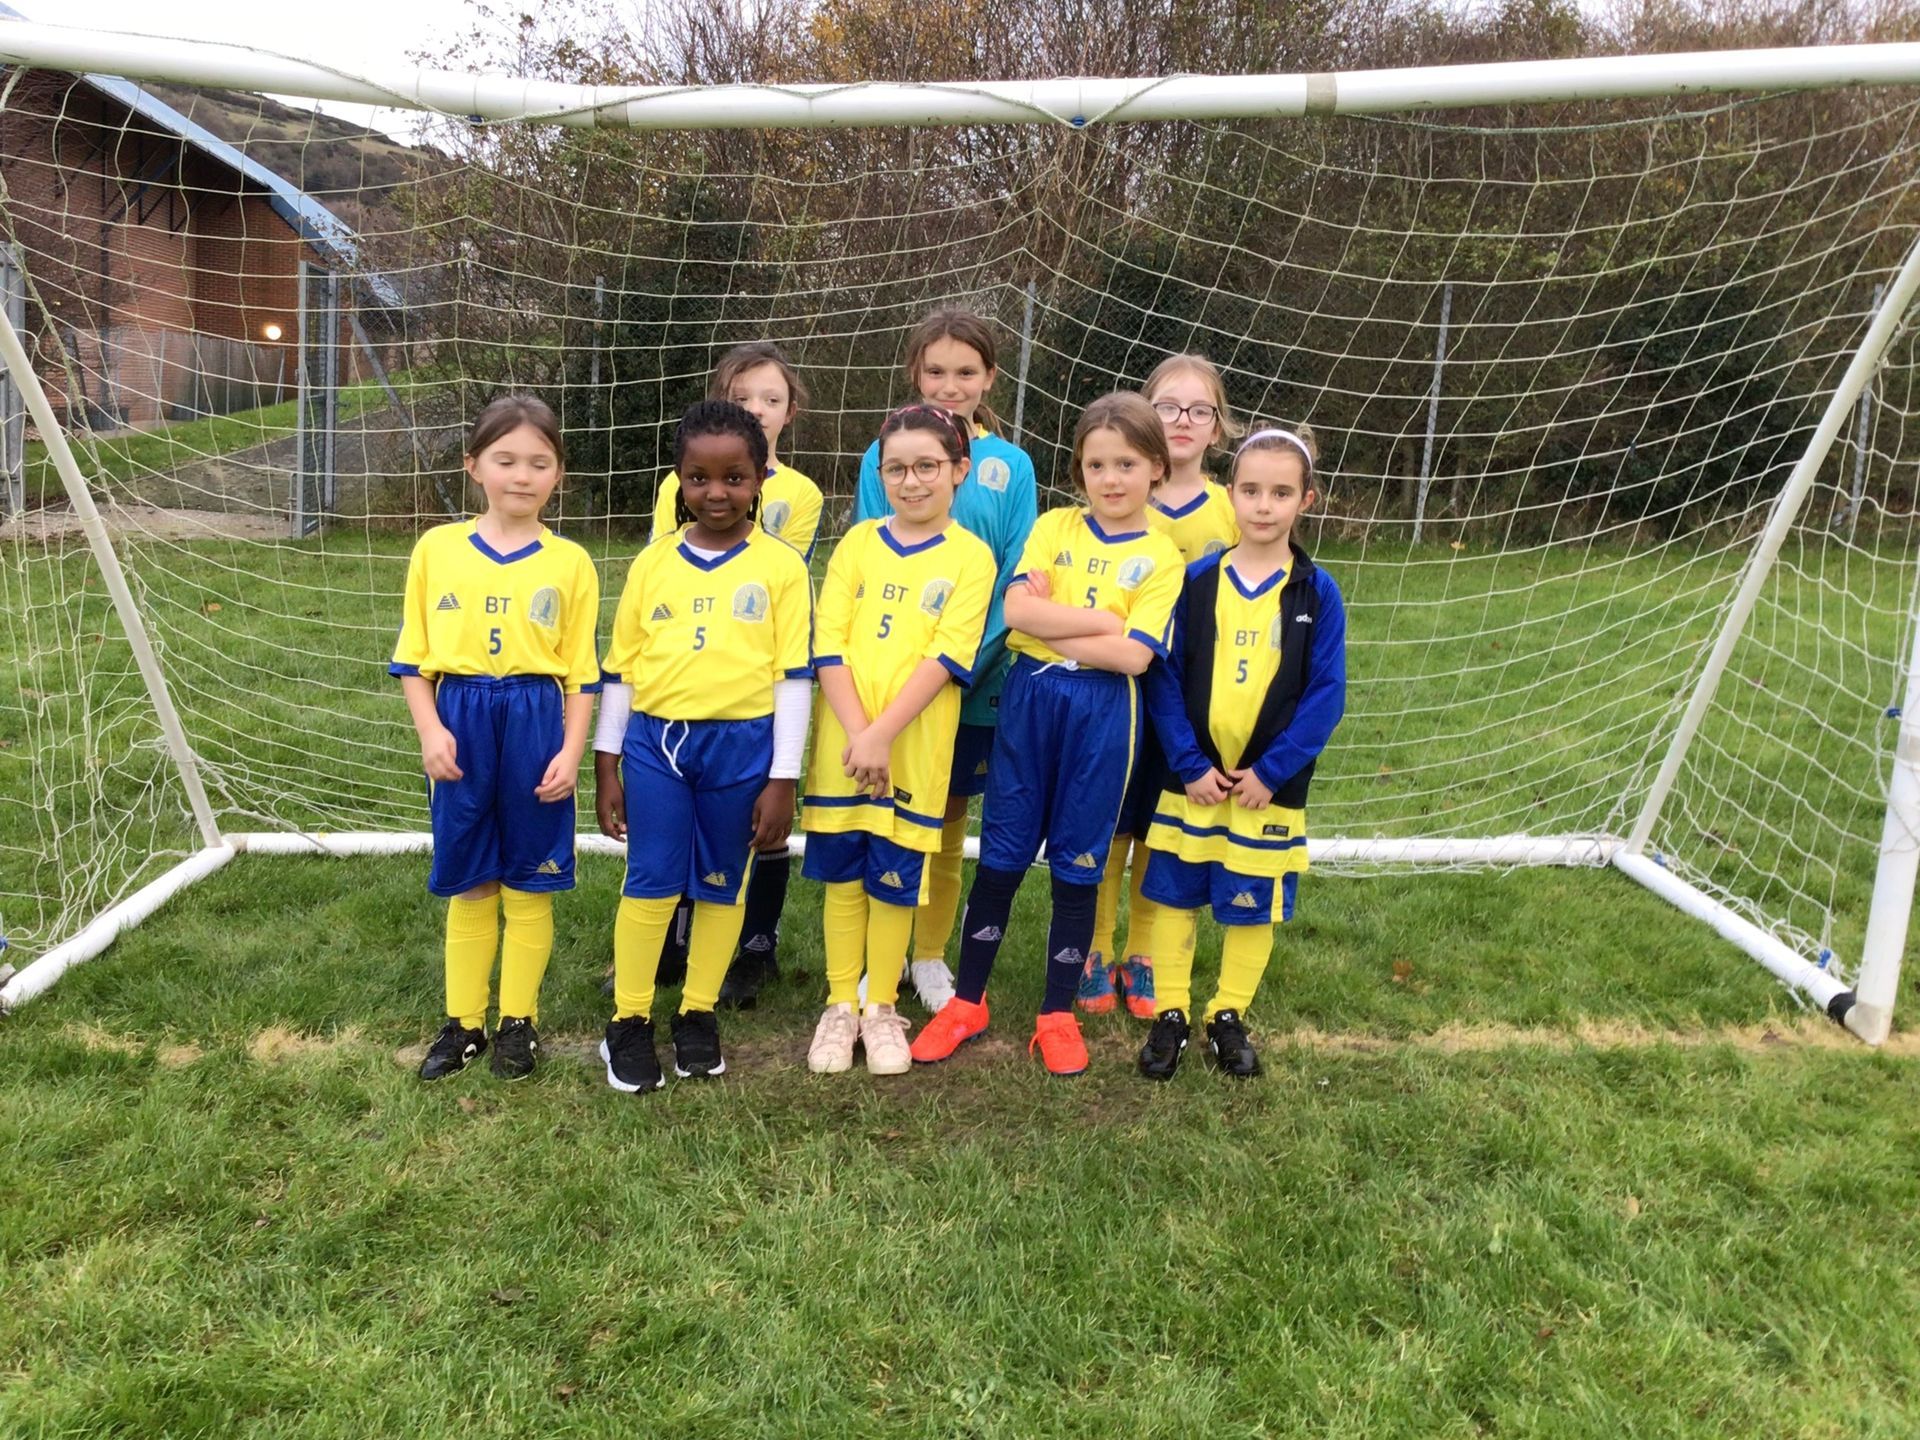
(356, 35)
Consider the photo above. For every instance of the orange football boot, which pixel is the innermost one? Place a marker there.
(958, 1022)
(1061, 1048)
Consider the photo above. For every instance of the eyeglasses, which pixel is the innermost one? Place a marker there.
(1201, 414)
(924, 468)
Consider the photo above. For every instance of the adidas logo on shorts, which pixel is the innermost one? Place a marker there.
(1245, 901)
(661, 612)
(717, 877)
(1086, 861)
(448, 601)
(547, 867)
(986, 934)
(892, 880)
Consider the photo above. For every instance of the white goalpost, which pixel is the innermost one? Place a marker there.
(1615, 353)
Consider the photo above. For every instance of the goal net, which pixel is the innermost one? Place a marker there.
(1566, 361)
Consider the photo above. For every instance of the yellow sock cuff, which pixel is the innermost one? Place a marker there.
(473, 916)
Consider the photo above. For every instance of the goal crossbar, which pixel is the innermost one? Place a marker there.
(1076, 101)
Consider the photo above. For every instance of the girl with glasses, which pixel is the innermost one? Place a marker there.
(897, 638)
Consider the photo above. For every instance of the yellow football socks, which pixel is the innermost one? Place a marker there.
(473, 930)
(639, 928)
(888, 929)
(1243, 959)
(1141, 911)
(843, 912)
(716, 935)
(1106, 905)
(933, 921)
(524, 950)
(1173, 940)
(864, 934)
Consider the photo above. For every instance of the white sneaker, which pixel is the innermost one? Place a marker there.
(883, 1030)
(933, 983)
(832, 1048)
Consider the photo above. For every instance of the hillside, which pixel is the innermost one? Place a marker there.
(324, 155)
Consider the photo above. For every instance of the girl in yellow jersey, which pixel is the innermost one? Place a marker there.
(496, 657)
(1250, 693)
(1186, 392)
(702, 726)
(764, 383)
(896, 640)
(1088, 610)
(1190, 398)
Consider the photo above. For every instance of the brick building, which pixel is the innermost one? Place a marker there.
(164, 258)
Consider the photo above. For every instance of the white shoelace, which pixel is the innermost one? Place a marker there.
(838, 1026)
(890, 1021)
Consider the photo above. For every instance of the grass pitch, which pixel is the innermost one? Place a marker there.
(1510, 1171)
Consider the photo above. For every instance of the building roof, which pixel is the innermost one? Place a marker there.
(305, 216)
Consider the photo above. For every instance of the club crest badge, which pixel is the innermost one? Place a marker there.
(750, 603)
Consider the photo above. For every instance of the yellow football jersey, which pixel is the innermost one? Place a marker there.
(705, 639)
(1246, 657)
(469, 610)
(790, 506)
(884, 608)
(1137, 576)
(1204, 526)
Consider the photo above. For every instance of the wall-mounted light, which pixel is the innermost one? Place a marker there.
(271, 331)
